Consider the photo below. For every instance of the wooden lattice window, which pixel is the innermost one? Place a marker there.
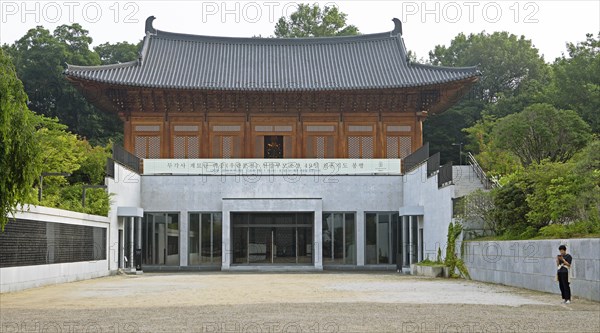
(398, 146)
(226, 141)
(398, 141)
(227, 146)
(361, 140)
(186, 147)
(360, 147)
(186, 141)
(320, 146)
(147, 141)
(319, 140)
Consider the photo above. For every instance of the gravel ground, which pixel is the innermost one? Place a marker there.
(298, 302)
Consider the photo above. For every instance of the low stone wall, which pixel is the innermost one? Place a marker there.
(53, 268)
(429, 271)
(531, 264)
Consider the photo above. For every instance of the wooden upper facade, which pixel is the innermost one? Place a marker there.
(214, 97)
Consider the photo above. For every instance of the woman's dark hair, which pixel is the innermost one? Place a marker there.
(562, 247)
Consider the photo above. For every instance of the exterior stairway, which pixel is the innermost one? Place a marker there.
(465, 180)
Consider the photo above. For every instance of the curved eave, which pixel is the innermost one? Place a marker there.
(77, 75)
(76, 69)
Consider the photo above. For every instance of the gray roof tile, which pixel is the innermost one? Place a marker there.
(182, 61)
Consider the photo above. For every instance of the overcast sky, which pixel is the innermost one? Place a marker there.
(549, 24)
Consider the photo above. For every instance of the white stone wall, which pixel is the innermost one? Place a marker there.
(23, 277)
(531, 264)
(422, 193)
(125, 191)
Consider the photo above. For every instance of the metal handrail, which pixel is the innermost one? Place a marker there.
(125, 158)
(485, 180)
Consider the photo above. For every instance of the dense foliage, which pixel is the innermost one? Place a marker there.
(65, 152)
(40, 57)
(20, 163)
(545, 199)
(312, 21)
(509, 66)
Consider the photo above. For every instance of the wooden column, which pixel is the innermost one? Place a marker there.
(299, 153)
(205, 142)
(166, 140)
(341, 151)
(127, 137)
(380, 137)
(247, 138)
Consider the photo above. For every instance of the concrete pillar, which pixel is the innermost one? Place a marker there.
(121, 250)
(411, 241)
(405, 242)
(131, 256)
(183, 238)
(318, 240)
(139, 233)
(360, 238)
(226, 247)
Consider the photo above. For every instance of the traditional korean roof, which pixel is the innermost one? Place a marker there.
(182, 61)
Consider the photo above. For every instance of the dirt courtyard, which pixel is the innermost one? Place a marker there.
(289, 302)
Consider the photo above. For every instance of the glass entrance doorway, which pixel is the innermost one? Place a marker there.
(272, 238)
(160, 239)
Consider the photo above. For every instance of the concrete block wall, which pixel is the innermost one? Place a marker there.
(24, 277)
(531, 264)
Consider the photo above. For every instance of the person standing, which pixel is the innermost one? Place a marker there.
(564, 260)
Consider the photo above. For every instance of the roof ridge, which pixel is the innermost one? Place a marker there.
(271, 40)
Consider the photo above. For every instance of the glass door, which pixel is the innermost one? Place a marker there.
(160, 233)
(272, 238)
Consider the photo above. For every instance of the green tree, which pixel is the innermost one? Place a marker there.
(496, 161)
(312, 21)
(541, 132)
(19, 148)
(117, 53)
(40, 59)
(477, 209)
(510, 205)
(63, 151)
(551, 199)
(511, 68)
(505, 61)
(576, 80)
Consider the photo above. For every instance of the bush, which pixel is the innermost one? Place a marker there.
(573, 230)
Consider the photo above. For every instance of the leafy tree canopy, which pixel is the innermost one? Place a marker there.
(40, 57)
(312, 21)
(19, 148)
(541, 132)
(576, 80)
(511, 69)
(117, 53)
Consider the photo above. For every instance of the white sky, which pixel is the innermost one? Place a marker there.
(549, 24)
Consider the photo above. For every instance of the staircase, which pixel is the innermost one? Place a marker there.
(465, 180)
(468, 178)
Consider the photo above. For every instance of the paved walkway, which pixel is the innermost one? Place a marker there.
(309, 302)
